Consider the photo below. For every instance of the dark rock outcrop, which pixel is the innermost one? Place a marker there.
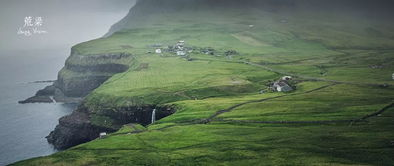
(72, 130)
(42, 96)
(37, 99)
(81, 126)
(47, 91)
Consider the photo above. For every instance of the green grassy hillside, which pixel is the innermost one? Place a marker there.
(342, 68)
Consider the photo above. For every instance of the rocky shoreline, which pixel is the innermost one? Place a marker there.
(74, 129)
(80, 76)
(51, 94)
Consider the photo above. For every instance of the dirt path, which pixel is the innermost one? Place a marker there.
(307, 78)
(212, 117)
(311, 78)
(209, 119)
(351, 121)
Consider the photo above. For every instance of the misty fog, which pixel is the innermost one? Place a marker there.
(66, 22)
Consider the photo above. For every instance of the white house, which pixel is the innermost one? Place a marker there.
(158, 51)
(103, 134)
(286, 78)
(282, 86)
(181, 53)
(181, 43)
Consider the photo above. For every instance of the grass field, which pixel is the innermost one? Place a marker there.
(313, 125)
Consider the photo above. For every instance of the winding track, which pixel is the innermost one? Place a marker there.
(307, 78)
(311, 78)
(314, 122)
(209, 119)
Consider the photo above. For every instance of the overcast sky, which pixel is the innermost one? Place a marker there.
(67, 22)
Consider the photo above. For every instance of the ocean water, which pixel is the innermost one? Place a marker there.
(23, 127)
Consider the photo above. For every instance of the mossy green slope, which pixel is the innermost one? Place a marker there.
(318, 124)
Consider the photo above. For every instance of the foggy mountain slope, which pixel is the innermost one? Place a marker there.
(144, 9)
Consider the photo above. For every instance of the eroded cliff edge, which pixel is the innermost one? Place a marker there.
(85, 124)
(80, 75)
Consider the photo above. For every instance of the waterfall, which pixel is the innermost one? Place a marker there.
(153, 116)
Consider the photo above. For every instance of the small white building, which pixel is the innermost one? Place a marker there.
(181, 43)
(103, 135)
(181, 53)
(180, 48)
(286, 78)
(158, 51)
(282, 86)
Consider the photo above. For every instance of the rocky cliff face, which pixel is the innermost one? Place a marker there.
(84, 73)
(81, 75)
(73, 129)
(84, 125)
